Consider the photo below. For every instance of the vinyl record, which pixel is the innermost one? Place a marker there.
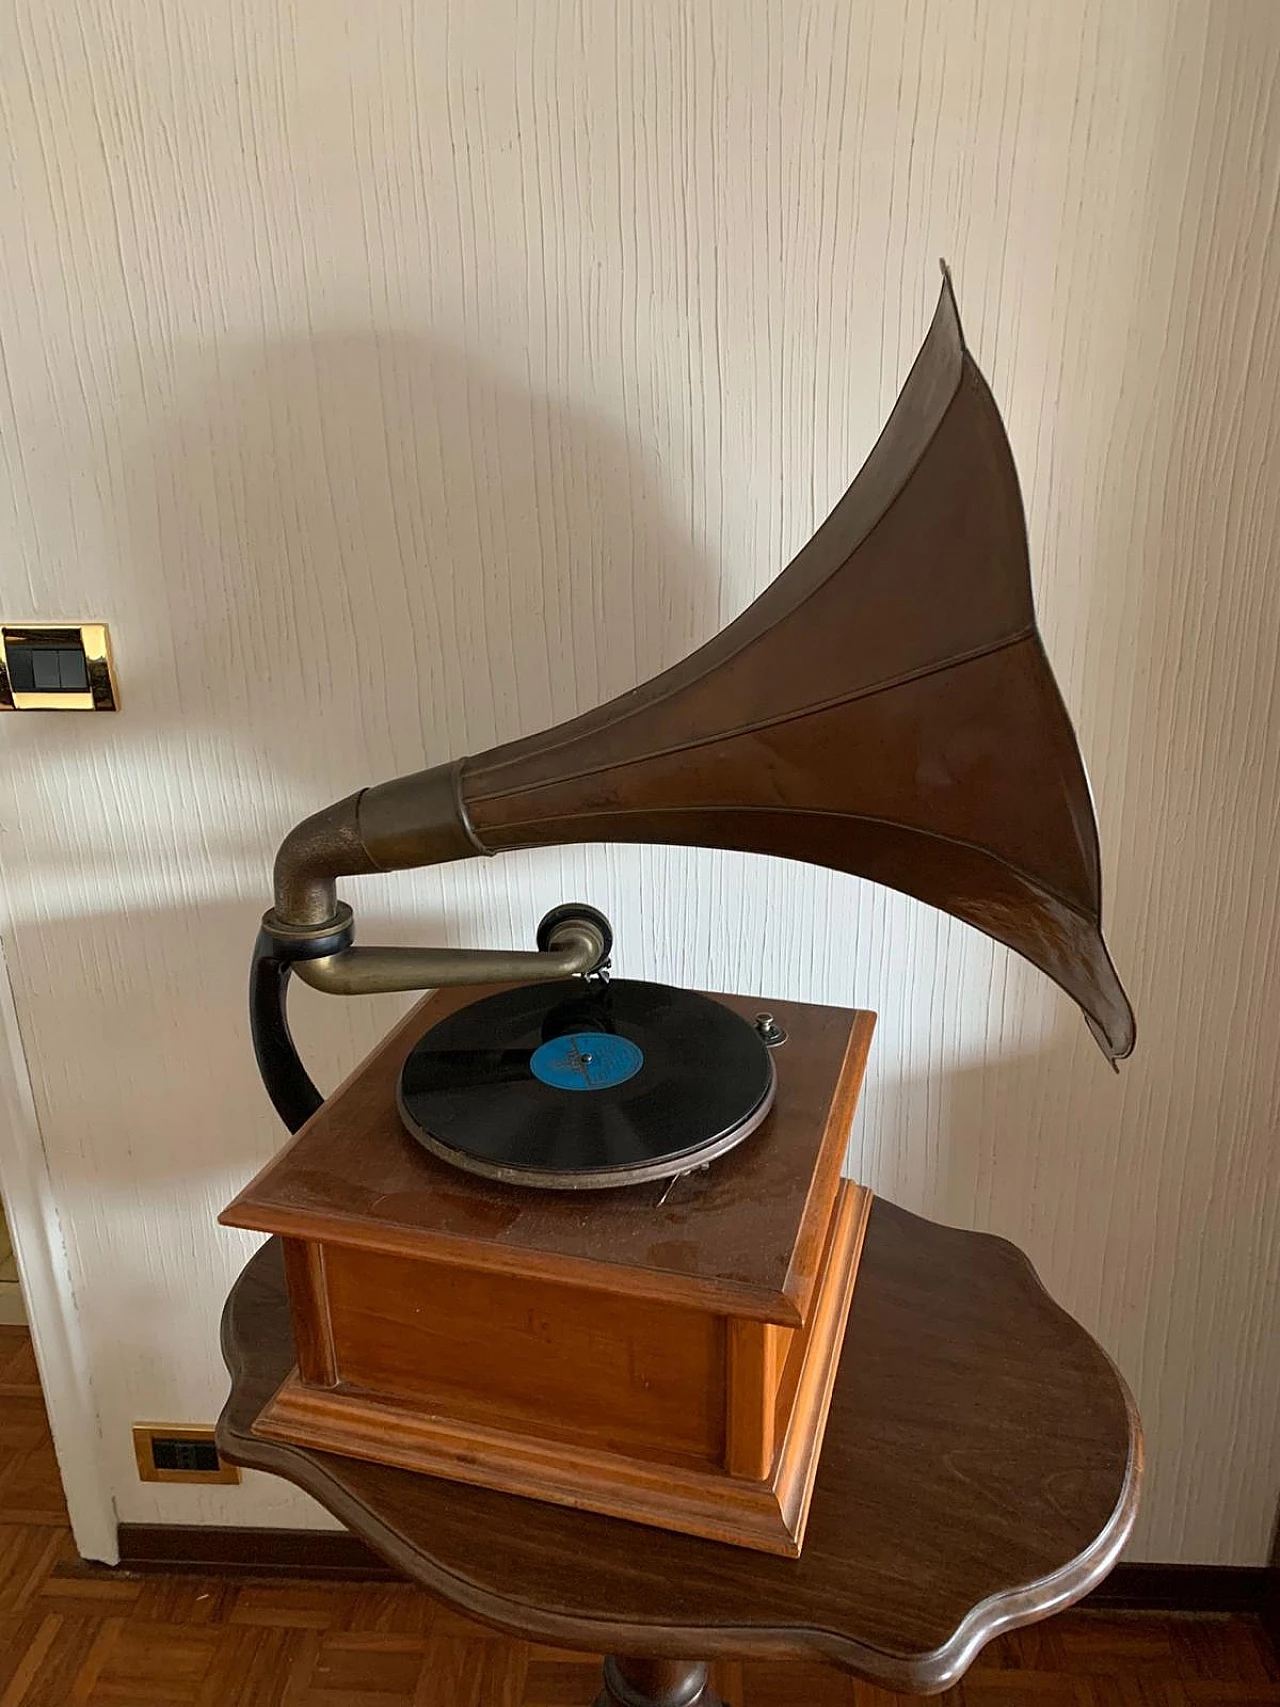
(577, 1085)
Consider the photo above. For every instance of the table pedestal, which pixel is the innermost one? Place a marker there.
(656, 1683)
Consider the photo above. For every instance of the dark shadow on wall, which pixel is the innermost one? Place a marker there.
(347, 556)
(387, 536)
(341, 558)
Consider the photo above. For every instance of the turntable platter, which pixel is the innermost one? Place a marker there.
(584, 1085)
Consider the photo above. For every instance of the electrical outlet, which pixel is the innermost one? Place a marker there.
(178, 1452)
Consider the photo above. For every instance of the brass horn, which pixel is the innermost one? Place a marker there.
(885, 708)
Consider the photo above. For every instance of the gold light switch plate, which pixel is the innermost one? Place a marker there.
(56, 666)
(179, 1452)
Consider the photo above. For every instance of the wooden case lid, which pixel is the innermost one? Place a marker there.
(743, 1238)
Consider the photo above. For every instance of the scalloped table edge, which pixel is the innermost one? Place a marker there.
(920, 1674)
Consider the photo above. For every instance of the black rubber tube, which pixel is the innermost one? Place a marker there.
(288, 1083)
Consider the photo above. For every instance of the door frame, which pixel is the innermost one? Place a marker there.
(35, 1229)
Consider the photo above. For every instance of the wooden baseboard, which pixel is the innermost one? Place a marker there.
(1181, 1588)
(243, 1552)
(332, 1554)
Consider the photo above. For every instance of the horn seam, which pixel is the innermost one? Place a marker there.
(886, 685)
(1036, 883)
(967, 370)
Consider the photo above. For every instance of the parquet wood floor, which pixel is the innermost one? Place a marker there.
(79, 1636)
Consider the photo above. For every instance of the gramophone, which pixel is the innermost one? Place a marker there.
(885, 708)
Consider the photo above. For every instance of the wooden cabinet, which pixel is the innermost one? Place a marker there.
(662, 1352)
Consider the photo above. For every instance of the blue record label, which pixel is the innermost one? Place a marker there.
(586, 1061)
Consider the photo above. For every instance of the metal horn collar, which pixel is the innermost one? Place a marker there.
(413, 821)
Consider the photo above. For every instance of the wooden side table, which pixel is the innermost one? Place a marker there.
(980, 1471)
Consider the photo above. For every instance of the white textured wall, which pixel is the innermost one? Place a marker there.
(397, 378)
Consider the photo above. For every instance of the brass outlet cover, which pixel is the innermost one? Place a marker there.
(86, 646)
(146, 1434)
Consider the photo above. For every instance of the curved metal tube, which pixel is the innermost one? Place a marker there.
(326, 961)
(410, 821)
(370, 971)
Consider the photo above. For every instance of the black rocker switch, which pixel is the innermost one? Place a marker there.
(188, 1455)
(37, 668)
